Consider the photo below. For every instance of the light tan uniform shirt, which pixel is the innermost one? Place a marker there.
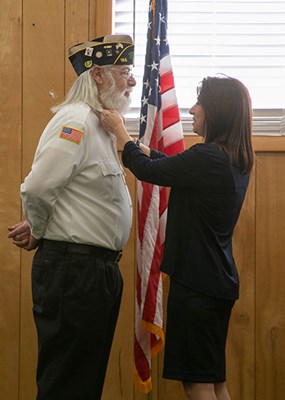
(76, 190)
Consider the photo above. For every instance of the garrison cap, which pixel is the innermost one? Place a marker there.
(106, 50)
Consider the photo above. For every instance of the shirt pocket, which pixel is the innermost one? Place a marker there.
(113, 179)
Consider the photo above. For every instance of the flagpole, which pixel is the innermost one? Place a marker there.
(153, 6)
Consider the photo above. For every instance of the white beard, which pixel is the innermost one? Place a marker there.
(114, 100)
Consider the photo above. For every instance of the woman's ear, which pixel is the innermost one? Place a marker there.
(97, 75)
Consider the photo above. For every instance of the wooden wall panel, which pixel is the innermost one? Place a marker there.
(241, 346)
(10, 177)
(270, 276)
(43, 84)
(43, 68)
(103, 17)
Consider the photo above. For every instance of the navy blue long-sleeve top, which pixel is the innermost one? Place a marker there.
(205, 200)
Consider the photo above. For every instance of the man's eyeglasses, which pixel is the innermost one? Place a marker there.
(125, 73)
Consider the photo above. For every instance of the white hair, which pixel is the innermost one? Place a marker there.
(84, 90)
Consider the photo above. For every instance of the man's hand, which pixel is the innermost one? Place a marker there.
(33, 244)
(20, 234)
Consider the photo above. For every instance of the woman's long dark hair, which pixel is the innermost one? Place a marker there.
(228, 118)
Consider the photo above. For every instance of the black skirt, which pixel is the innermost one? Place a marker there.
(196, 333)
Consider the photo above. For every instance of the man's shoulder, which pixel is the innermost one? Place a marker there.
(71, 119)
(80, 116)
(77, 112)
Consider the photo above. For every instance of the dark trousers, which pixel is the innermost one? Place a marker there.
(76, 300)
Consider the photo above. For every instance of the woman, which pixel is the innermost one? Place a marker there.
(208, 185)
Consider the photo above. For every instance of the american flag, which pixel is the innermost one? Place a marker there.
(161, 129)
(71, 134)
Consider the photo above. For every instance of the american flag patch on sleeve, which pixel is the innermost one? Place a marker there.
(72, 134)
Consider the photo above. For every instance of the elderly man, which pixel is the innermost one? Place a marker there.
(78, 215)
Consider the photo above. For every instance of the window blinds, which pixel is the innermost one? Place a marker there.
(243, 39)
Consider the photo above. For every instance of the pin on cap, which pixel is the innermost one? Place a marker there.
(106, 50)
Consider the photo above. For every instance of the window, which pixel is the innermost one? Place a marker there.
(244, 39)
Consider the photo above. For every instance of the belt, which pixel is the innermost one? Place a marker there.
(77, 248)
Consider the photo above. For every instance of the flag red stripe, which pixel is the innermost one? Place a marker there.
(174, 148)
(166, 82)
(154, 135)
(171, 116)
(150, 303)
(143, 212)
(141, 362)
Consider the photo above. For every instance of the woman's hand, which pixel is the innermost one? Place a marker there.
(113, 122)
